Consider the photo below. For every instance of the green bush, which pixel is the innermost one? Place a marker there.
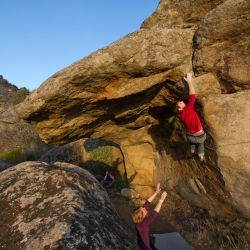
(19, 95)
(13, 157)
(101, 158)
(16, 156)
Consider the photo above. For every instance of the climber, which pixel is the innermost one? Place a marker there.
(190, 119)
(109, 179)
(142, 222)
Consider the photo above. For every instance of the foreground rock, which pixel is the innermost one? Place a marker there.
(58, 206)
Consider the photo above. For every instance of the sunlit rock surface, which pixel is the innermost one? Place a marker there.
(179, 14)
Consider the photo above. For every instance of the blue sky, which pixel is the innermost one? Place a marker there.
(41, 37)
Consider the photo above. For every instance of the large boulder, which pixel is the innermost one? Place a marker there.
(59, 206)
(124, 93)
(116, 88)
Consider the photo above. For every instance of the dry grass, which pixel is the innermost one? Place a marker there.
(225, 236)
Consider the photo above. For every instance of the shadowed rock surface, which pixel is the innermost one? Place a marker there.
(124, 93)
(59, 206)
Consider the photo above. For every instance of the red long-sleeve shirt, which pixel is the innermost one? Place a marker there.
(189, 117)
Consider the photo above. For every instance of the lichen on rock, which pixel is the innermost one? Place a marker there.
(59, 206)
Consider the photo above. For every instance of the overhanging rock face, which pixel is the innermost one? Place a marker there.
(124, 93)
(116, 88)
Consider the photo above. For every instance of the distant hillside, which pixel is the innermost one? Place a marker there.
(6, 91)
(19, 140)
